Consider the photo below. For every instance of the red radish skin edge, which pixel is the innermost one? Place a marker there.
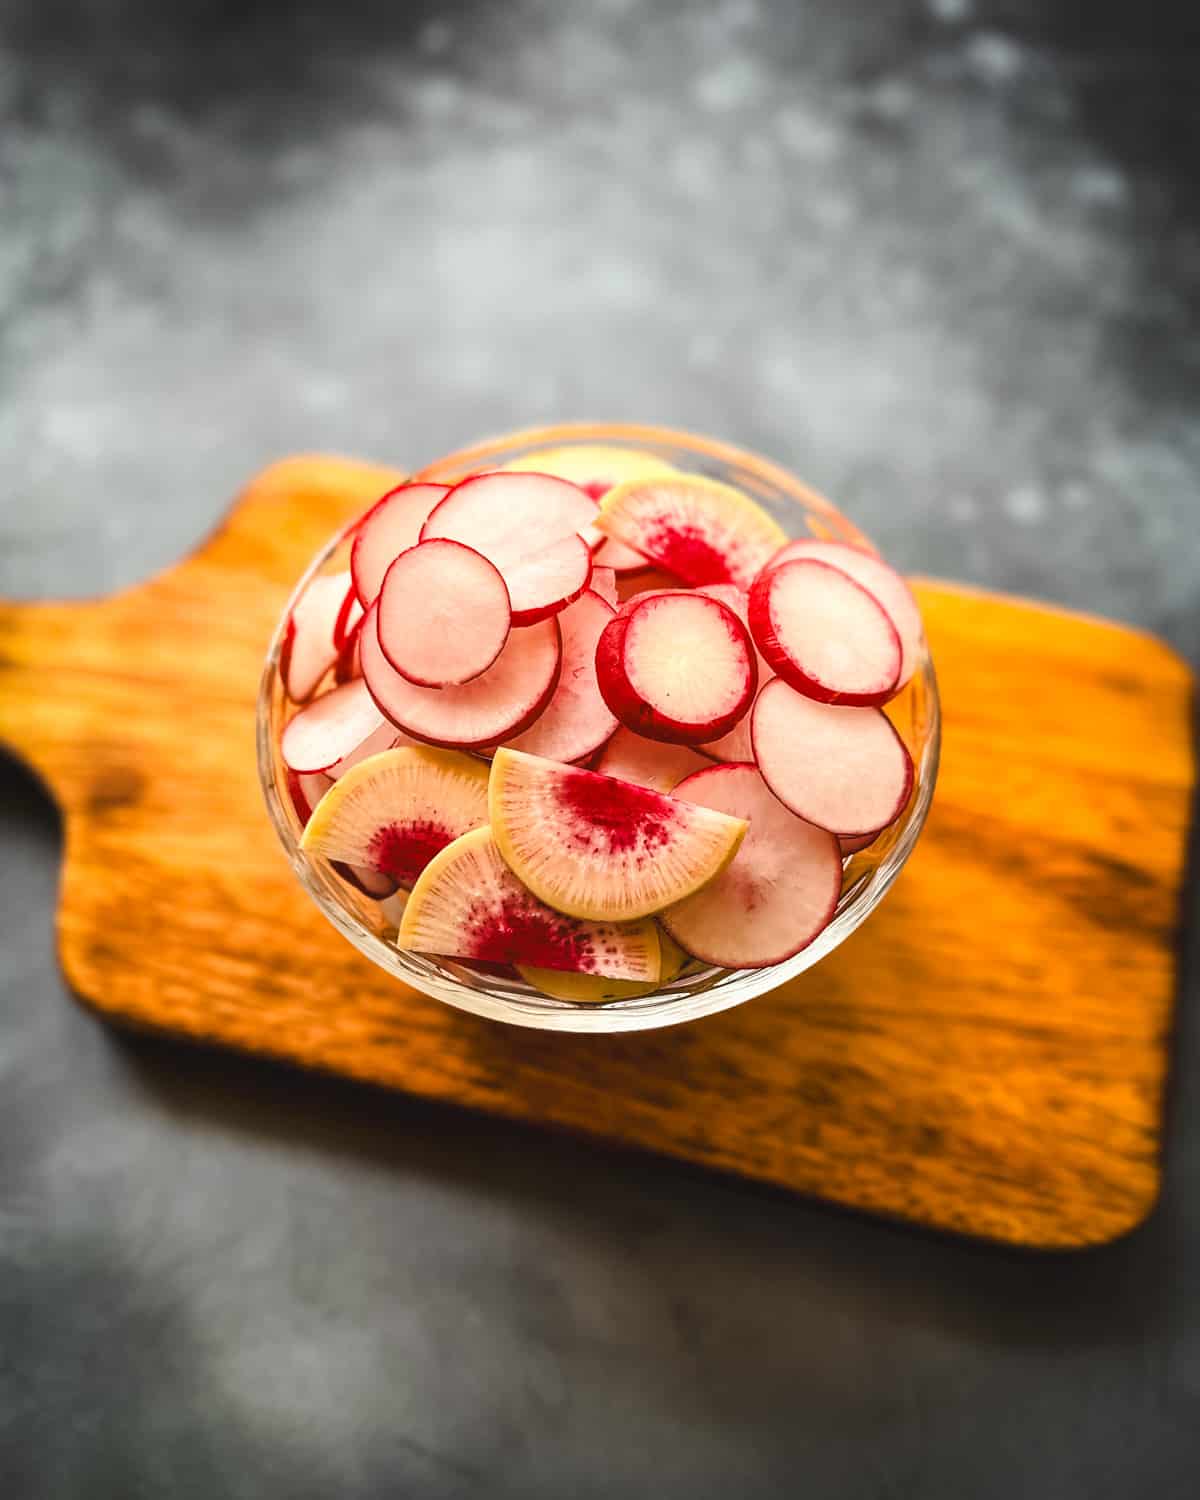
(402, 627)
(366, 572)
(328, 729)
(847, 833)
(783, 657)
(632, 708)
(484, 743)
(580, 584)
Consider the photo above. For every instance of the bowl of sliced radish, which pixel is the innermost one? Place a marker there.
(599, 728)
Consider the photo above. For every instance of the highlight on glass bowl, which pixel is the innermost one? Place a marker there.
(599, 728)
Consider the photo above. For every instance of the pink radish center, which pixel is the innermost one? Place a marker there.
(518, 930)
(688, 552)
(402, 850)
(614, 815)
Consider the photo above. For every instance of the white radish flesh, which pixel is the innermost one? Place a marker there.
(329, 728)
(309, 647)
(844, 769)
(824, 634)
(504, 701)
(779, 891)
(443, 614)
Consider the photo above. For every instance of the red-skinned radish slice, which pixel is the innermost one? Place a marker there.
(548, 580)
(443, 614)
(604, 583)
(844, 769)
(576, 721)
(384, 737)
(348, 617)
(734, 747)
(779, 891)
(503, 702)
(879, 579)
(699, 529)
(859, 842)
(595, 468)
(530, 526)
(598, 848)
(306, 790)
(394, 811)
(309, 649)
(329, 728)
(678, 667)
(390, 527)
(349, 664)
(469, 904)
(631, 757)
(824, 634)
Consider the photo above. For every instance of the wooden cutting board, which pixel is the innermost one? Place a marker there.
(986, 1055)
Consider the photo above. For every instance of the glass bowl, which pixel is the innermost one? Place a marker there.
(699, 991)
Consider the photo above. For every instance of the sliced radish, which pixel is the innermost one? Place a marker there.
(548, 579)
(390, 527)
(631, 757)
(590, 989)
(443, 614)
(576, 721)
(385, 736)
(595, 468)
(530, 526)
(678, 667)
(779, 891)
(306, 790)
(877, 578)
(604, 583)
(394, 811)
(699, 529)
(349, 662)
(853, 845)
(469, 904)
(501, 703)
(594, 847)
(372, 883)
(735, 747)
(844, 769)
(309, 649)
(824, 634)
(348, 617)
(329, 728)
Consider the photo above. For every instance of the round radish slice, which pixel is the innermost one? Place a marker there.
(629, 757)
(548, 579)
(443, 614)
(844, 769)
(348, 617)
(503, 702)
(824, 634)
(309, 648)
(329, 728)
(877, 578)
(349, 663)
(469, 904)
(699, 529)
(678, 667)
(735, 747)
(596, 468)
(530, 526)
(389, 528)
(393, 812)
(594, 847)
(385, 736)
(576, 721)
(780, 890)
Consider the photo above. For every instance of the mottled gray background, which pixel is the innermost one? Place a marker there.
(943, 259)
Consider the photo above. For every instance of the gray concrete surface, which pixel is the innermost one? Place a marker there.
(944, 260)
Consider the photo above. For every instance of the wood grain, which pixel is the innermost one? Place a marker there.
(986, 1055)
